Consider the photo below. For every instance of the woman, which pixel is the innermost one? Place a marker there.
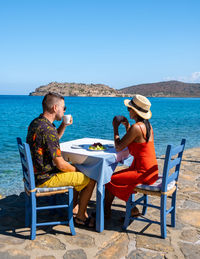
(140, 142)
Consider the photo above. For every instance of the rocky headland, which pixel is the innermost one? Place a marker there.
(160, 89)
(74, 89)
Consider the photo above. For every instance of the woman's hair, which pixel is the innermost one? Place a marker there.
(147, 125)
(50, 99)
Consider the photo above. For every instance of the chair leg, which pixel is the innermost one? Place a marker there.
(163, 216)
(70, 212)
(27, 211)
(128, 211)
(173, 213)
(144, 209)
(33, 216)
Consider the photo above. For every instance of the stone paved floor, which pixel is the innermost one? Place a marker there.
(139, 241)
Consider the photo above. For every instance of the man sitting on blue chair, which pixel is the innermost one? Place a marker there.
(50, 169)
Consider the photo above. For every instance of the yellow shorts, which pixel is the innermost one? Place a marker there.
(76, 179)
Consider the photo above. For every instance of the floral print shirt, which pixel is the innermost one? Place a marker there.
(44, 145)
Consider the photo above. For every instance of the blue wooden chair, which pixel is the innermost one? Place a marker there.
(165, 187)
(32, 193)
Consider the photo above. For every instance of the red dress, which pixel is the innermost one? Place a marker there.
(143, 170)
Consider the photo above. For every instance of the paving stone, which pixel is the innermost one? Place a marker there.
(172, 256)
(157, 244)
(75, 254)
(9, 240)
(145, 228)
(190, 251)
(116, 249)
(195, 196)
(192, 217)
(131, 245)
(82, 240)
(46, 242)
(13, 254)
(144, 255)
(182, 188)
(46, 257)
(188, 204)
(190, 235)
(1, 246)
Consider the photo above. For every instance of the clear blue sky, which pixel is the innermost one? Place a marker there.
(114, 42)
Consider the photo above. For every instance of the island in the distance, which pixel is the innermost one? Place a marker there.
(160, 89)
(74, 89)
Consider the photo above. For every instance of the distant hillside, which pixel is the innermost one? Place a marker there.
(161, 89)
(73, 89)
(164, 89)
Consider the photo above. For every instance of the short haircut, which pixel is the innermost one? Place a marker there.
(49, 100)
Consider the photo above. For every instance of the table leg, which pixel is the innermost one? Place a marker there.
(100, 210)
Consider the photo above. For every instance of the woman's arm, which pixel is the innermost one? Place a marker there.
(132, 133)
(126, 123)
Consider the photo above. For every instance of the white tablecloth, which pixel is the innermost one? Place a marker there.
(98, 165)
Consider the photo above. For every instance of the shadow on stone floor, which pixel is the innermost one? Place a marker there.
(12, 216)
(12, 219)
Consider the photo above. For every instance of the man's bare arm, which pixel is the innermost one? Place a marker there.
(63, 165)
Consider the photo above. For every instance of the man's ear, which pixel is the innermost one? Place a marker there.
(54, 108)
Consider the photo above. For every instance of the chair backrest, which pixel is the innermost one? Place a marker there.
(27, 165)
(172, 165)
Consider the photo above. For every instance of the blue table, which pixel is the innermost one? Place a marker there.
(98, 165)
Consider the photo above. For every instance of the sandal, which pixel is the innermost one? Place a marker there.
(87, 223)
(134, 213)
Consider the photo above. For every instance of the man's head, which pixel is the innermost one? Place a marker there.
(54, 103)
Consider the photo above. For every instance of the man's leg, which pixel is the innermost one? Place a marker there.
(85, 196)
(80, 182)
(75, 202)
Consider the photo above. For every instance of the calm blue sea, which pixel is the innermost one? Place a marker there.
(173, 119)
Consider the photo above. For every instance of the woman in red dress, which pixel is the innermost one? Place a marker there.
(140, 142)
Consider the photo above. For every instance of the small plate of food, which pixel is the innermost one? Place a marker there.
(97, 147)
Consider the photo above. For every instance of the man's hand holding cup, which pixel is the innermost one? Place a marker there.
(67, 119)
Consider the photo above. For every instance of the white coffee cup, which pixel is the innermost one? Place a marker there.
(67, 118)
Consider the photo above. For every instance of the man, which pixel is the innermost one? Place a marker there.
(50, 169)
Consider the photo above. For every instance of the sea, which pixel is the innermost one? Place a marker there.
(172, 120)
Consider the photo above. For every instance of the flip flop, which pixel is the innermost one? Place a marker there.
(84, 223)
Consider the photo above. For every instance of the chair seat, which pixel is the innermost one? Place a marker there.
(156, 187)
(52, 189)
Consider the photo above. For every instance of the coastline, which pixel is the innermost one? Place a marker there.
(125, 96)
(109, 96)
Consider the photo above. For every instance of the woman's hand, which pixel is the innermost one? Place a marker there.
(120, 120)
(125, 122)
(116, 121)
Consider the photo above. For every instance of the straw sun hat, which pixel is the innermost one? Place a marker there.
(141, 105)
